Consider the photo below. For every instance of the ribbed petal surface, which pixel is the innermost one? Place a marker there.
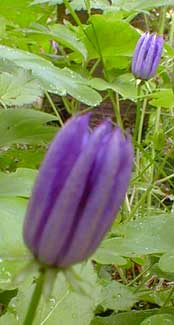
(103, 202)
(157, 55)
(64, 215)
(147, 56)
(136, 52)
(79, 189)
(55, 169)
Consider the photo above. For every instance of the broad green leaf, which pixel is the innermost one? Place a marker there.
(19, 183)
(163, 98)
(19, 89)
(117, 297)
(12, 211)
(95, 4)
(155, 270)
(77, 4)
(19, 12)
(64, 36)
(142, 237)
(166, 262)
(102, 40)
(80, 307)
(139, 5)
(129, 318)
(53, 311)
(13, 158)
(51, 2)
(56, 80)
(164, 319)
(25, 126)
(13, 253)
(107, 256)
(124, 85)
(156, 297)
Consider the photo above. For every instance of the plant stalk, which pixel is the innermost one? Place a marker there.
(34, 303)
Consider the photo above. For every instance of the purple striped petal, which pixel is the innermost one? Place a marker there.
(147, 56)
(79, 189)
(97, 216)
(118, 192)
(157, 55)
(64, 214)
(55, 169)
(136, 52)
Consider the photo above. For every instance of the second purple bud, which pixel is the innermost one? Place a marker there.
(147, 55)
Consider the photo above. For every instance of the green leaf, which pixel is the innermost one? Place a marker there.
(166, 262)
(51, 2)
(117, 297)
(129, 318)
(138, 5)
(77, 4)
(13, 253)
(25, 126)
(19, 12)
(142, 237)
(19, 183)
(106, 256)
(56, 80)
(13, 158)
(103, 41)
(80, 307)
(164, 319)
(95, 4)
(163, 98)
(124, 85)
(19, 89)
(12, 211)
(64, 36)
(6, 296)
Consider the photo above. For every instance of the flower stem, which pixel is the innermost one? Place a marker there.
(157, 127)
(171, 31)
(141, 121)
(116, 107)
(54, 108)
(31, 313)
(162, 20)
(138, 113)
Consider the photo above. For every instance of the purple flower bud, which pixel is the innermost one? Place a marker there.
(80, 187)
(147, 56)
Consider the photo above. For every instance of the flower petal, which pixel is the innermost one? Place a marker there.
(64, 213)
(136, 52)
(55, 169)
(96, 212)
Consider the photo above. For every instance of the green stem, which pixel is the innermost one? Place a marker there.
(162, 20)
(157, 122)
(138, 112)
(171, 31)
(162, 180)
(141, 122)
(168, 298)
(67, 105)
(73, 14)
(54, 108)
(140, 275)
(116, 107)
(146, 21)
(31, 313)
(138, 204)
(77, 20)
